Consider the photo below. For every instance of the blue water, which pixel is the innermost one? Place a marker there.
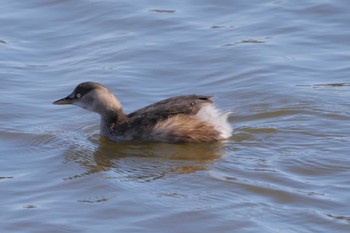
(282, 67)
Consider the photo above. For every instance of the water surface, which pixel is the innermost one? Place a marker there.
(280, 66)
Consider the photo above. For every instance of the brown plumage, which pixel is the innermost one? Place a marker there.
(185, 128)
(177, 119)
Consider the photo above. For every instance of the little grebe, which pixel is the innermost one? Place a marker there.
(191, 118)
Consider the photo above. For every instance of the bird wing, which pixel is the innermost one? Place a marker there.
(151, 114)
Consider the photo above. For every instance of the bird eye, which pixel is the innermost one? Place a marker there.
(78, 95)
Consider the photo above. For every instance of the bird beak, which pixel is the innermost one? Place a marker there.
(66, 100)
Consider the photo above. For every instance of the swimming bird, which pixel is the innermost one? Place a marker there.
(190, 118)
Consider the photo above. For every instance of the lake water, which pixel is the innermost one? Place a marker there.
(281, 66)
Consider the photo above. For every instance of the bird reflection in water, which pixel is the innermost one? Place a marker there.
(145, 161)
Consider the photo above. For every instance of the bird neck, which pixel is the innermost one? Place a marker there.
(116, 116)
(110, 110)
(110, 122)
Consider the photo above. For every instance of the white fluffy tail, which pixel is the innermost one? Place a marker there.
(209, 113)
